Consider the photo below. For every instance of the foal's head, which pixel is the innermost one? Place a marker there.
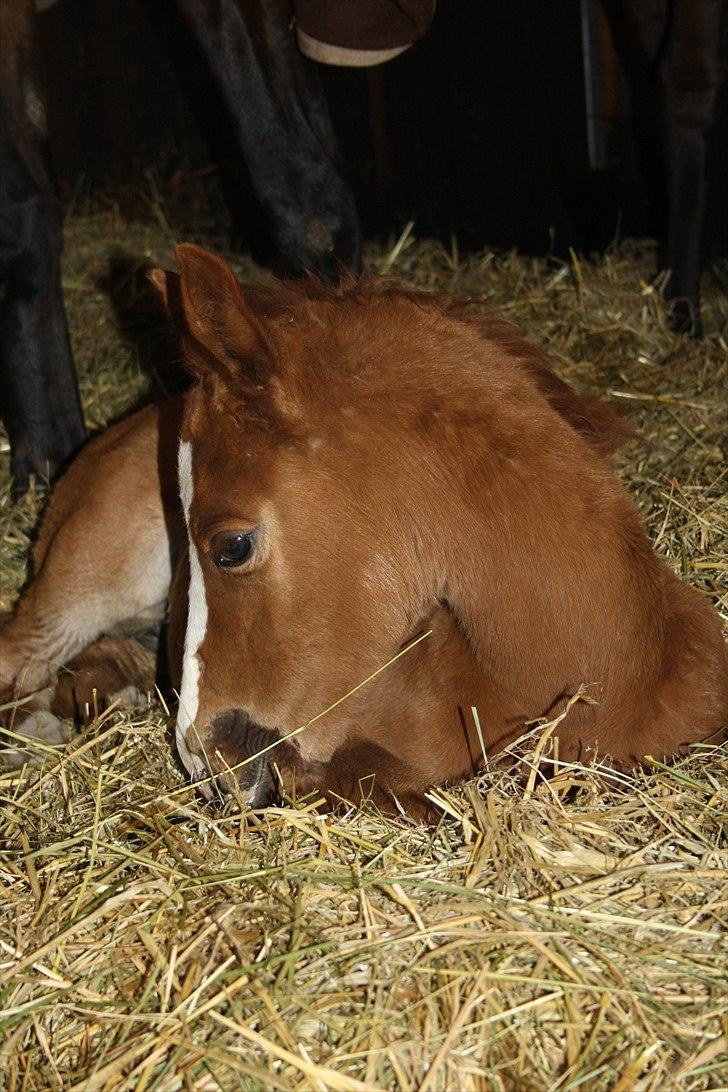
(299, 485)
(324, 486)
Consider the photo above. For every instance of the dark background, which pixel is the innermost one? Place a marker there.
(479, 130)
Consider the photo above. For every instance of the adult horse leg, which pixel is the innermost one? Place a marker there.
(103, 566)
(673, 56)
(281, 120)
(694, 72)
(41, 406)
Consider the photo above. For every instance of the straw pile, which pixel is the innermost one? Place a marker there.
(553, 938)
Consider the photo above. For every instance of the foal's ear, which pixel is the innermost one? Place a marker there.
(225, 335)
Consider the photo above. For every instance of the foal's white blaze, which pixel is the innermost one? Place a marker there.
(189, 696)
(196, 626)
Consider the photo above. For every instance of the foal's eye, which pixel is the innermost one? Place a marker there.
(232, 548)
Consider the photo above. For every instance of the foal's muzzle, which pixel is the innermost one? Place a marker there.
(236, 739)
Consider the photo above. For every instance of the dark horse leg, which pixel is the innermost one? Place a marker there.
(673, 54)
(694, 70)
(281, 120)
(40, 402)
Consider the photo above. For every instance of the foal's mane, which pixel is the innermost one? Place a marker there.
(596, 421)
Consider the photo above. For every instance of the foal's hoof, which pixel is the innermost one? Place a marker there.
(111, 670)
(81, 695)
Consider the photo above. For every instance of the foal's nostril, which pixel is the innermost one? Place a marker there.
(261, 790)
(244, 746)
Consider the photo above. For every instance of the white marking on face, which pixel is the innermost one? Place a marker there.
(196, 626)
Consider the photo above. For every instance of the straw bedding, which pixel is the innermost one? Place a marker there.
(555, 937)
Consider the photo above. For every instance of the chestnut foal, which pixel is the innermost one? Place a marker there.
(359, 466)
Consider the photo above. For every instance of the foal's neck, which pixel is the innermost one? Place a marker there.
(548, 572)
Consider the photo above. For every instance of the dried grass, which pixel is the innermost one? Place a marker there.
(559, 937)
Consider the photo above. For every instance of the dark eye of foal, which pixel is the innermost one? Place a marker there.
(232, 548)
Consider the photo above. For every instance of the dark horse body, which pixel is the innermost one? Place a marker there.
(281, 123)
(40, 402)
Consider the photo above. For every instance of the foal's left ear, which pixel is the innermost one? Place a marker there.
(224, 335)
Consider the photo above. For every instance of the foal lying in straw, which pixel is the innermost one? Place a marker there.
(359, 468)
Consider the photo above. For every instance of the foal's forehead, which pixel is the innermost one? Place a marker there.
(226, 465)
(330, 358)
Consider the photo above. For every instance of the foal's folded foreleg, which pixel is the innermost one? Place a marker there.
(103, 560)
(109, 670)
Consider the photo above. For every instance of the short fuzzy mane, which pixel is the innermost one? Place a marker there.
(601, 425)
